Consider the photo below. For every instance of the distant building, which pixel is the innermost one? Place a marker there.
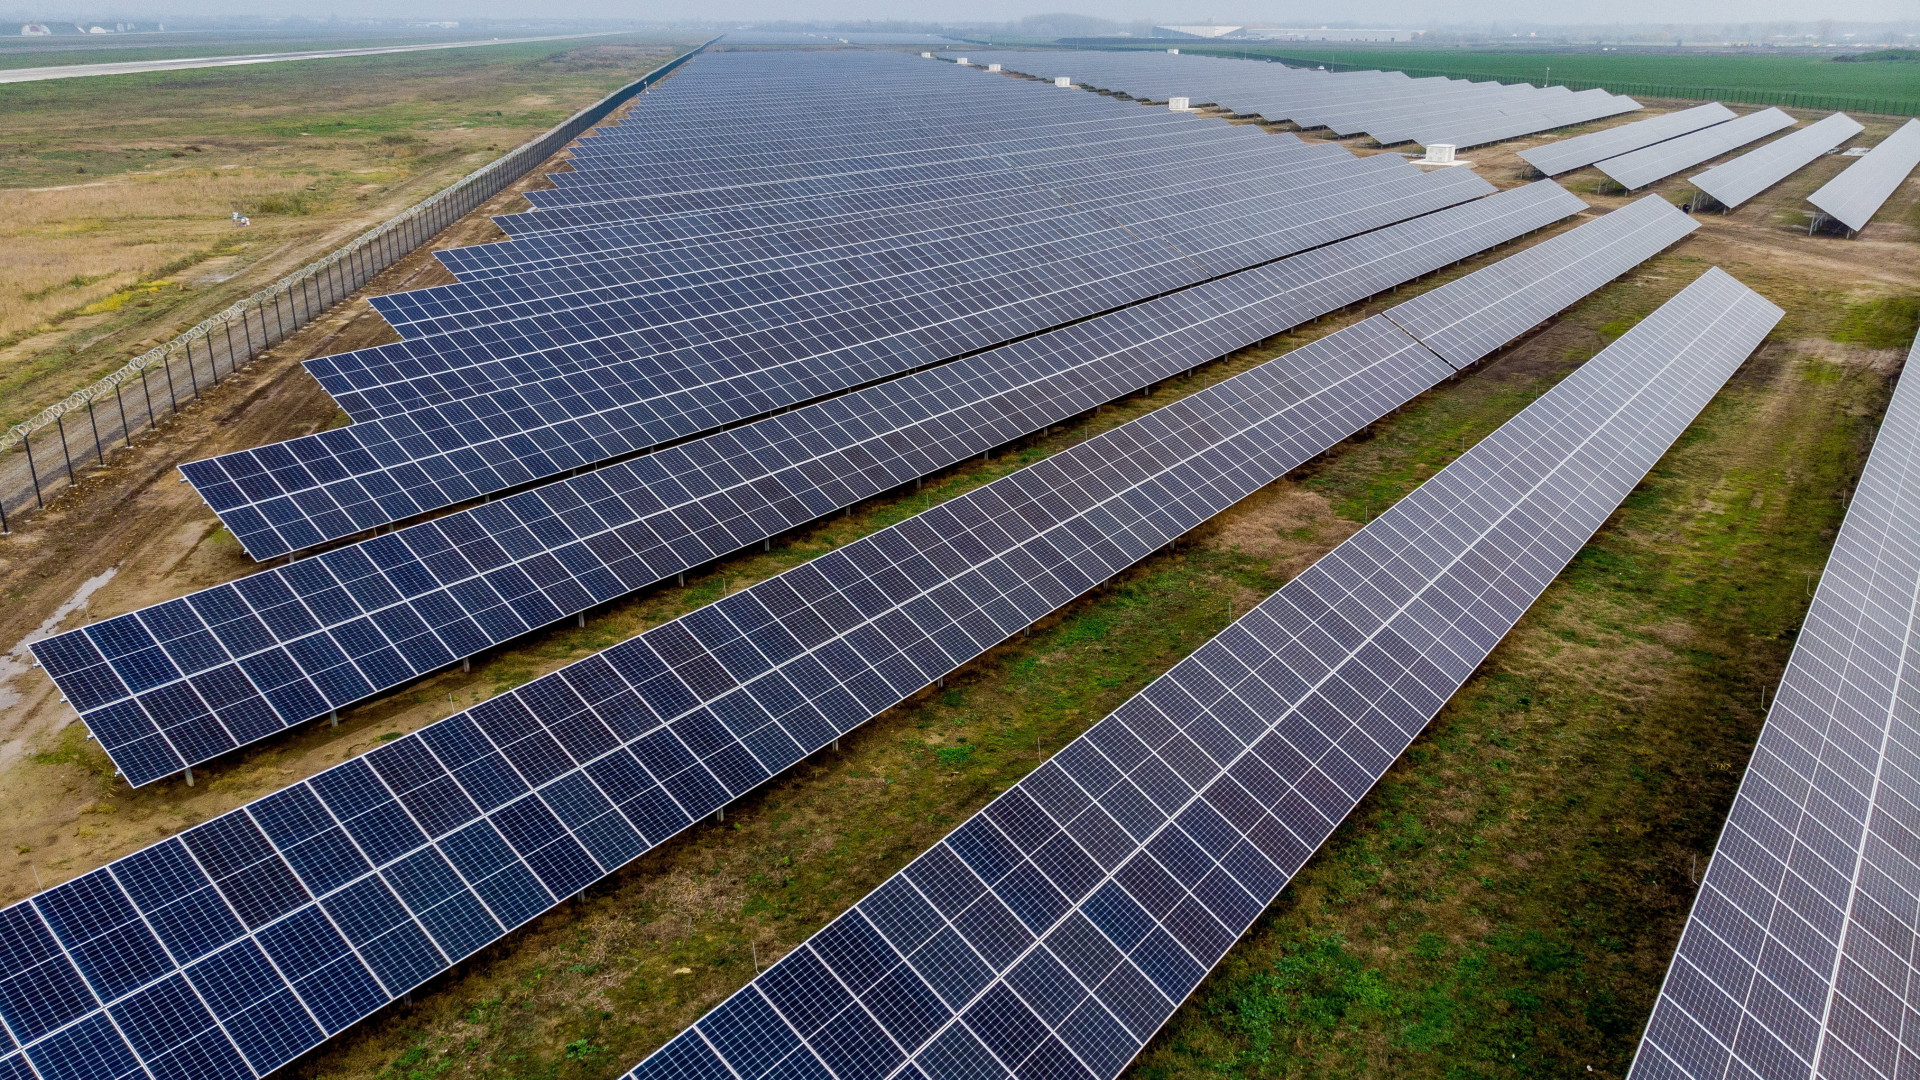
(34, 29)
(98, 30)
(1208, 31)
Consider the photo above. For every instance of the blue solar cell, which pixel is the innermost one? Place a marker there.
(89, 1050)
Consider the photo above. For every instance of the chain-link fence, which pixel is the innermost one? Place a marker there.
(41, 456)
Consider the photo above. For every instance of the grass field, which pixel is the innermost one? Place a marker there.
(122, 187)
(1762, 79)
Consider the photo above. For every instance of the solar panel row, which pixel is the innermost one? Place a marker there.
(1857, 194)
(1798, 959)
(179, 683)
(1638, 168)
(1755, 171)
(246, 940)
(651, 324)
(1389, 106)
(640, 220)
(615, 384)
(799, 228)
(1116, 126)
(846, 91)
(990, 138)
(1050, 935)
(911, 113)
(1476, 315)
(1554, 158)
(763, 314)
(699, 309)
(613, 174)
(737, 274)
(839, 218)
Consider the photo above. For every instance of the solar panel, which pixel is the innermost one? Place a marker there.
(936, 292)
(910, 187)
(912, 241)
(1566, 155)
(871, 152)
(1492, 124)
(1638, 168)
(1754, 172)
(1121, 128)
(177, 684)
(895, 116)
(300, 912)
(837, 218)
(944, 126)
(1051, 934)
(612, 178)
(1856, 195)
(540, 414)
(1797, 959)
(1386, 105)
(1470, 318)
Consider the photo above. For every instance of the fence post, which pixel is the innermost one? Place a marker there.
(166, 365)
(152, 420)
(60, 423)
(214, 368)
(126, 427)
(95, 422)
(26, 440)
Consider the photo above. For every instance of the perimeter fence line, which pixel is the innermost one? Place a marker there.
(39, 456)
(1793, 99)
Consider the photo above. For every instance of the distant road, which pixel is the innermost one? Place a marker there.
(75, 71)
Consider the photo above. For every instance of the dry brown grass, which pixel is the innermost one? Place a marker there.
(85, 245)
(122, 189)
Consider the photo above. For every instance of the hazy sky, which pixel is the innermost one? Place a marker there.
(1388, 13)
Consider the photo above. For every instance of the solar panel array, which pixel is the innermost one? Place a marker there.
(1554, 158)
(1638, 168)
(988, 143)
(1798, 959)
(819, 281)
(1856, 195)
(1757, 170)
(248, 939)
(178, 683)
(594, 229)
(1050, 935)
(1387, 105)
(486, 408)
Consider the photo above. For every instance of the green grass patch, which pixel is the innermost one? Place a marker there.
(1886, 323)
